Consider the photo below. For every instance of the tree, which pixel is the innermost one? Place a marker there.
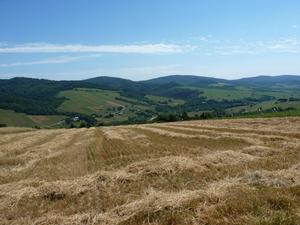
(185, 116)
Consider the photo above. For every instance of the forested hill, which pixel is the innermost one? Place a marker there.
(35, 96)
(186, 80)
(149, 98)
(291, 81)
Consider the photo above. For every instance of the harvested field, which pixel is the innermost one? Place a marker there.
(243, 171)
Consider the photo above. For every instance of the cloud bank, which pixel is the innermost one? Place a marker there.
(244, 47)
(56, 60)
(208, 46)
(78, 48)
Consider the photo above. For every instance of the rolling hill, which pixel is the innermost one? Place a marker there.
(283, 81)
(110, 100)
(113, 83)
(185, 80)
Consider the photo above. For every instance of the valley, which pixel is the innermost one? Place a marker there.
(113, 101)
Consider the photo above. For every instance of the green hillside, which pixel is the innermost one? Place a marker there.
(13, 119)
(89, 101)
(240, 92)
(164, 100)
(51, 121)
(266, 105)
(109, 100)
(106, 106)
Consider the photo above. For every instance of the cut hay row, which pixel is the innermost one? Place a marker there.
(255, 138)
(15, 130)
(195, 172)
(32, 160)
(248, 125)
(28, 140)
(13, 137)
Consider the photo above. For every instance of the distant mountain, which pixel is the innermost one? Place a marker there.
(168, 86)
(112, 83)
(270, 81)
(185, 80)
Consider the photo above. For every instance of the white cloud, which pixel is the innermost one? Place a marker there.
(208, 46)
(56, 60)
(77, 48)
(287, 45)
(295, 26)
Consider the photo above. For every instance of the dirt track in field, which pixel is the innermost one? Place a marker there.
(243, 171)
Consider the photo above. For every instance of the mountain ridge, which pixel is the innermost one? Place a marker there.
(200, 81)
(172, 76)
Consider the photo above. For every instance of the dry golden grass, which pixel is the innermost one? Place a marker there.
(244, 171)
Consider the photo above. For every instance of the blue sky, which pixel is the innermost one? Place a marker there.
(142, 39)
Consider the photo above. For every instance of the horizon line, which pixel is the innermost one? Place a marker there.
(118, 77)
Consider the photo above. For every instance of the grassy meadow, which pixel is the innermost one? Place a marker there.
(88, 101)
(236, 93)
(13, 119)
(101, 103)
(165, 100)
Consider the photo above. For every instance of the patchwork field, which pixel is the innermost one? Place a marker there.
(102, 104)
(238, 92)
(243, 171)
(89, 101)
(266, 105)
(13, 119)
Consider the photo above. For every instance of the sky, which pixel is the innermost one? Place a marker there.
(143, 39)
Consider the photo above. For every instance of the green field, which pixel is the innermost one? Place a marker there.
(48, 121)
(228, 94)
(13, 119)
(241, 92)
(292, 113)
(265, 106)
(164, 100)
(89, 101)
(101, 103)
